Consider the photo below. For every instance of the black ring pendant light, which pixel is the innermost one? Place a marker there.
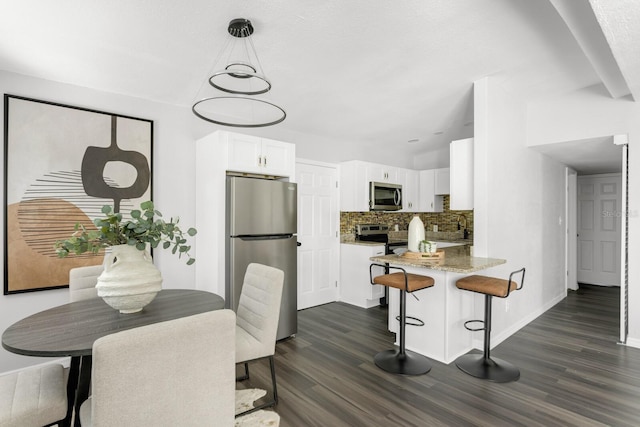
(271, 105)
(240, 72)
(239, 75)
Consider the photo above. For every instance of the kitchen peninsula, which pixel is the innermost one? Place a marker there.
(443, 308)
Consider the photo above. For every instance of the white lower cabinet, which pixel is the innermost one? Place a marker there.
(355, 285)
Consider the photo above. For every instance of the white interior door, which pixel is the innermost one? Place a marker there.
(599, 234)
(318, 225)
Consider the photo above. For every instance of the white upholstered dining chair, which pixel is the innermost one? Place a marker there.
(82, 282)
(33, 397)
(175, 373)
(257, 320)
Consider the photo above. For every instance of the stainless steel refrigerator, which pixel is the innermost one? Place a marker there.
(261, 227)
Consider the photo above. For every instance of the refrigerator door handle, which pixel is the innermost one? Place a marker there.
(269, 237)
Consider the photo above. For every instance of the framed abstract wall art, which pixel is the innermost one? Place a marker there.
(62, 164)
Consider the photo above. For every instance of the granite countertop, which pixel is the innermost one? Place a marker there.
(456, 260)
(350, 239)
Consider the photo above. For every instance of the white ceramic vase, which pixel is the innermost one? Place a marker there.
(416, 234)
(129, 281)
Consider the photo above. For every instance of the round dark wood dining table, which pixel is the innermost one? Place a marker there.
(71, 329)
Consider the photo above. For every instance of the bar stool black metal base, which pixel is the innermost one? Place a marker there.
(492, 369)
(409, 363)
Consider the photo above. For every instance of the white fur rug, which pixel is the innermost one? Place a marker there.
(261, 418)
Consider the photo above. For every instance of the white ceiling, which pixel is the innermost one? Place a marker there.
(371, 73)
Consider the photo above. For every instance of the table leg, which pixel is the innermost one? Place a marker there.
(84, 383)
(72, 384)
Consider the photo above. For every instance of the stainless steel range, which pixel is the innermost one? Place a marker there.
(372, 233)
(378, 233)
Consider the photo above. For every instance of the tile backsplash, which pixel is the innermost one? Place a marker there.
(447, 221)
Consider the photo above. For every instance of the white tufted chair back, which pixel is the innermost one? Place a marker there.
(175, 373)
(258, 312)
(82, 282)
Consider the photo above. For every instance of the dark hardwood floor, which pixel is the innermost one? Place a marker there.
(573, 373)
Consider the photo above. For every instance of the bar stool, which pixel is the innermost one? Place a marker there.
(483, 365)
(402, 361)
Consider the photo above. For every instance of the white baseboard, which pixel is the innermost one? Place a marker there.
(633, 342)
(497, 339)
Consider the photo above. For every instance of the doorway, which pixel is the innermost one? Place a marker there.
(598, 156)
(318, 233)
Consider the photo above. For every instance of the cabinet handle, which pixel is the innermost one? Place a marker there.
(265, 161)
(259, 160)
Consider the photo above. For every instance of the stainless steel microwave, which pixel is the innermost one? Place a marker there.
(384, 196)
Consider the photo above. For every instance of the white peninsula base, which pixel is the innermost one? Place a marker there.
(443, 308)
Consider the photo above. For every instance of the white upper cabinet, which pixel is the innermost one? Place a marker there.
(355, 176)
(442, 181)
(428, 200)
(422, 191)
(461, 155)
(354, 187)
(262, 156)
(278, 157)
(409, 179)
(382, 173)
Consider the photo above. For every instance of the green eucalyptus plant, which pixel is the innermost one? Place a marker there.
(146, 226)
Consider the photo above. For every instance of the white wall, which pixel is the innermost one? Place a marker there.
(591, 113)
(519, 209)
(175, 131)
(432, 160)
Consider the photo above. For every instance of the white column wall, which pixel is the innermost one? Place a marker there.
(519, 210)
(587, 113)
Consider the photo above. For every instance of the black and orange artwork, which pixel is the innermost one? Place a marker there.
(62, 164)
